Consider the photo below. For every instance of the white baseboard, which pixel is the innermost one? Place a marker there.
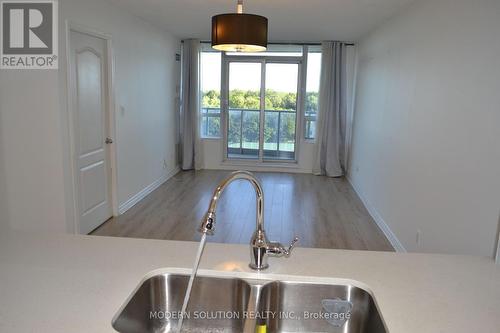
(122, 208)
(497, 257)
(391, 237)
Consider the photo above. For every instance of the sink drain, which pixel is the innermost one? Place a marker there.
(337, 311)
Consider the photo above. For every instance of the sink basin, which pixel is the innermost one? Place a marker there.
(307, 307)
(226, 304)
(157, 303)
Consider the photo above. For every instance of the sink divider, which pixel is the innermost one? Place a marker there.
(252, 307)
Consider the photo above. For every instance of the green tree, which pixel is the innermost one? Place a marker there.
(312, 102)
(233, 134)
(211, 99)
(289, 102)
(250, 100)
(287, 128)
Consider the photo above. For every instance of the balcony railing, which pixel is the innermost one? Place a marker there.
(310, 125)
(243, 132)
(210, 122)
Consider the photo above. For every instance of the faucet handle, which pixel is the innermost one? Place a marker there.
(278, 250)
(288, 251)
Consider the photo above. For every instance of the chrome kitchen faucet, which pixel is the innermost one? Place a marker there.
(260, 246)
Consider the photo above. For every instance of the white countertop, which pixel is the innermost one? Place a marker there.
(63, 283)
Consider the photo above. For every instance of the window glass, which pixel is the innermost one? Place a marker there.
(243, 131)
(280, 110)
(210, 85)
(312, 92)
(210, 80)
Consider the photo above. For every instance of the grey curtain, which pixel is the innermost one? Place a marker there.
(330, 158)
(191, 151)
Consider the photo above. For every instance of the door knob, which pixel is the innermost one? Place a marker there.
(109, 141)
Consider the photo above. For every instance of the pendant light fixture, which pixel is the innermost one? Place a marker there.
(239, 32)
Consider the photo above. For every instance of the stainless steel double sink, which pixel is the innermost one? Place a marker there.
(227, 304)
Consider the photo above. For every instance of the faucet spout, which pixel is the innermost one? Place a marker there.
(208, 223)
(260, 247)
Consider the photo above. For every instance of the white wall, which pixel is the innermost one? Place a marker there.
(4, 213)
(34, 154)
(32, 192)
(426, 145)
(146, 79)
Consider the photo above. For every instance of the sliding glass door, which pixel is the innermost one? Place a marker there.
(280, 111)
(261, 108)
(244, 95)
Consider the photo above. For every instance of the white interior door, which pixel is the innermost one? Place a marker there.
(88, 65)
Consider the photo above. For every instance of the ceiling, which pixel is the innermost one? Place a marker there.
(289, 20)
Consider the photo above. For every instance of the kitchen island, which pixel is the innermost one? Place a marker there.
(65, 283)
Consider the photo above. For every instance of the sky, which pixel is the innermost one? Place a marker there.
(246, 76)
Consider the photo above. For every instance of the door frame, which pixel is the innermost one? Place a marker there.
(110, 110)
(263, 60)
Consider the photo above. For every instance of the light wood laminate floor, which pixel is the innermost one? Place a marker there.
(323, 212)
